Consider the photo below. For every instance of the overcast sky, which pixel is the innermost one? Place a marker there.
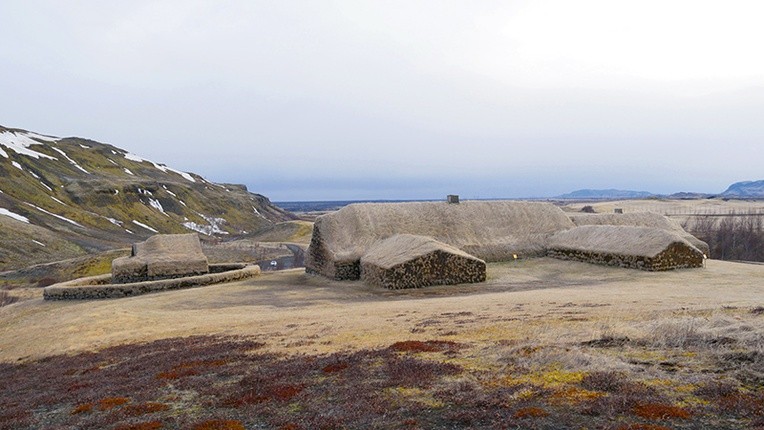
(328, 100)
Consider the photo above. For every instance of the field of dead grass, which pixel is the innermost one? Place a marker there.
(542, 344)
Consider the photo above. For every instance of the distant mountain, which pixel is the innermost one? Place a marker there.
(606, 194)
(64, 197)
(689, 195)
(747, 189)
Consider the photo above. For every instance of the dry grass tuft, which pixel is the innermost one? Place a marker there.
(427, 346)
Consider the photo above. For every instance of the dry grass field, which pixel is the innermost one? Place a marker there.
(542, 344)
(679, 210)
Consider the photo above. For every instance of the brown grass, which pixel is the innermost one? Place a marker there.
(682, 347)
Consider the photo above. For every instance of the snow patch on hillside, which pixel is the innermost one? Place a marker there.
(162, 167)
(68, 158)
(156, 205)
(62, 218)
(20, 143)
(15, 216)
(138, 223)
(212, 228)
(169, 192)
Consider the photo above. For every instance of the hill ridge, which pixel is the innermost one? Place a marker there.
(64, 197)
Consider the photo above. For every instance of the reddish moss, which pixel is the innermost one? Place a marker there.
(145, 408)
(285, 392)
(243, 399)
(289, 426)
(428, 346)
(148, 425)
(281, 392)
(530, 412)
(177, 373)
(79, 409)
(642, 427)
(335, 367)
(112, 402)
(658, 411)
(191, 368)
(219, 425)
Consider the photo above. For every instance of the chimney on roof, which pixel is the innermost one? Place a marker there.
(453, 199)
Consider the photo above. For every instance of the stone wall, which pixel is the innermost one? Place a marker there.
(678, 256)
(98, 287)
(162, 256)
(435, 268)
(675, 256)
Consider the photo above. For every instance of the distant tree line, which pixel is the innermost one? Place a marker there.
(737, 237)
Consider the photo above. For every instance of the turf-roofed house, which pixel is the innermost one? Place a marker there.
(410, 261)
(406, 245)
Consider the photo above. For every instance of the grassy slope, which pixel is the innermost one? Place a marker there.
(109, 191)
(543, 344)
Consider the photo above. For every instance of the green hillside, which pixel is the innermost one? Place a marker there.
(66, 197)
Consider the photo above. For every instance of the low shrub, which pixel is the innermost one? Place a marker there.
(531, 412)
(219, 425)
(427, 346)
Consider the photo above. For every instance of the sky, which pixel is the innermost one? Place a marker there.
(336, 100)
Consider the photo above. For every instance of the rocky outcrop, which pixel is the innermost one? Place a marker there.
(410, 261)
(164, 256)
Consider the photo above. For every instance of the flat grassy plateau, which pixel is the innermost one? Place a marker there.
(543, 344)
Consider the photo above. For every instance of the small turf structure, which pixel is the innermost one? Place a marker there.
(162, 256)
(410, 261)
(163, 262)
(640, 219)
(644, 248)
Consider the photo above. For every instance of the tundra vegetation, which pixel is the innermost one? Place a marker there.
(543, 344)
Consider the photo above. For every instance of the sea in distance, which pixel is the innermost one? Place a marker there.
(333, 205)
